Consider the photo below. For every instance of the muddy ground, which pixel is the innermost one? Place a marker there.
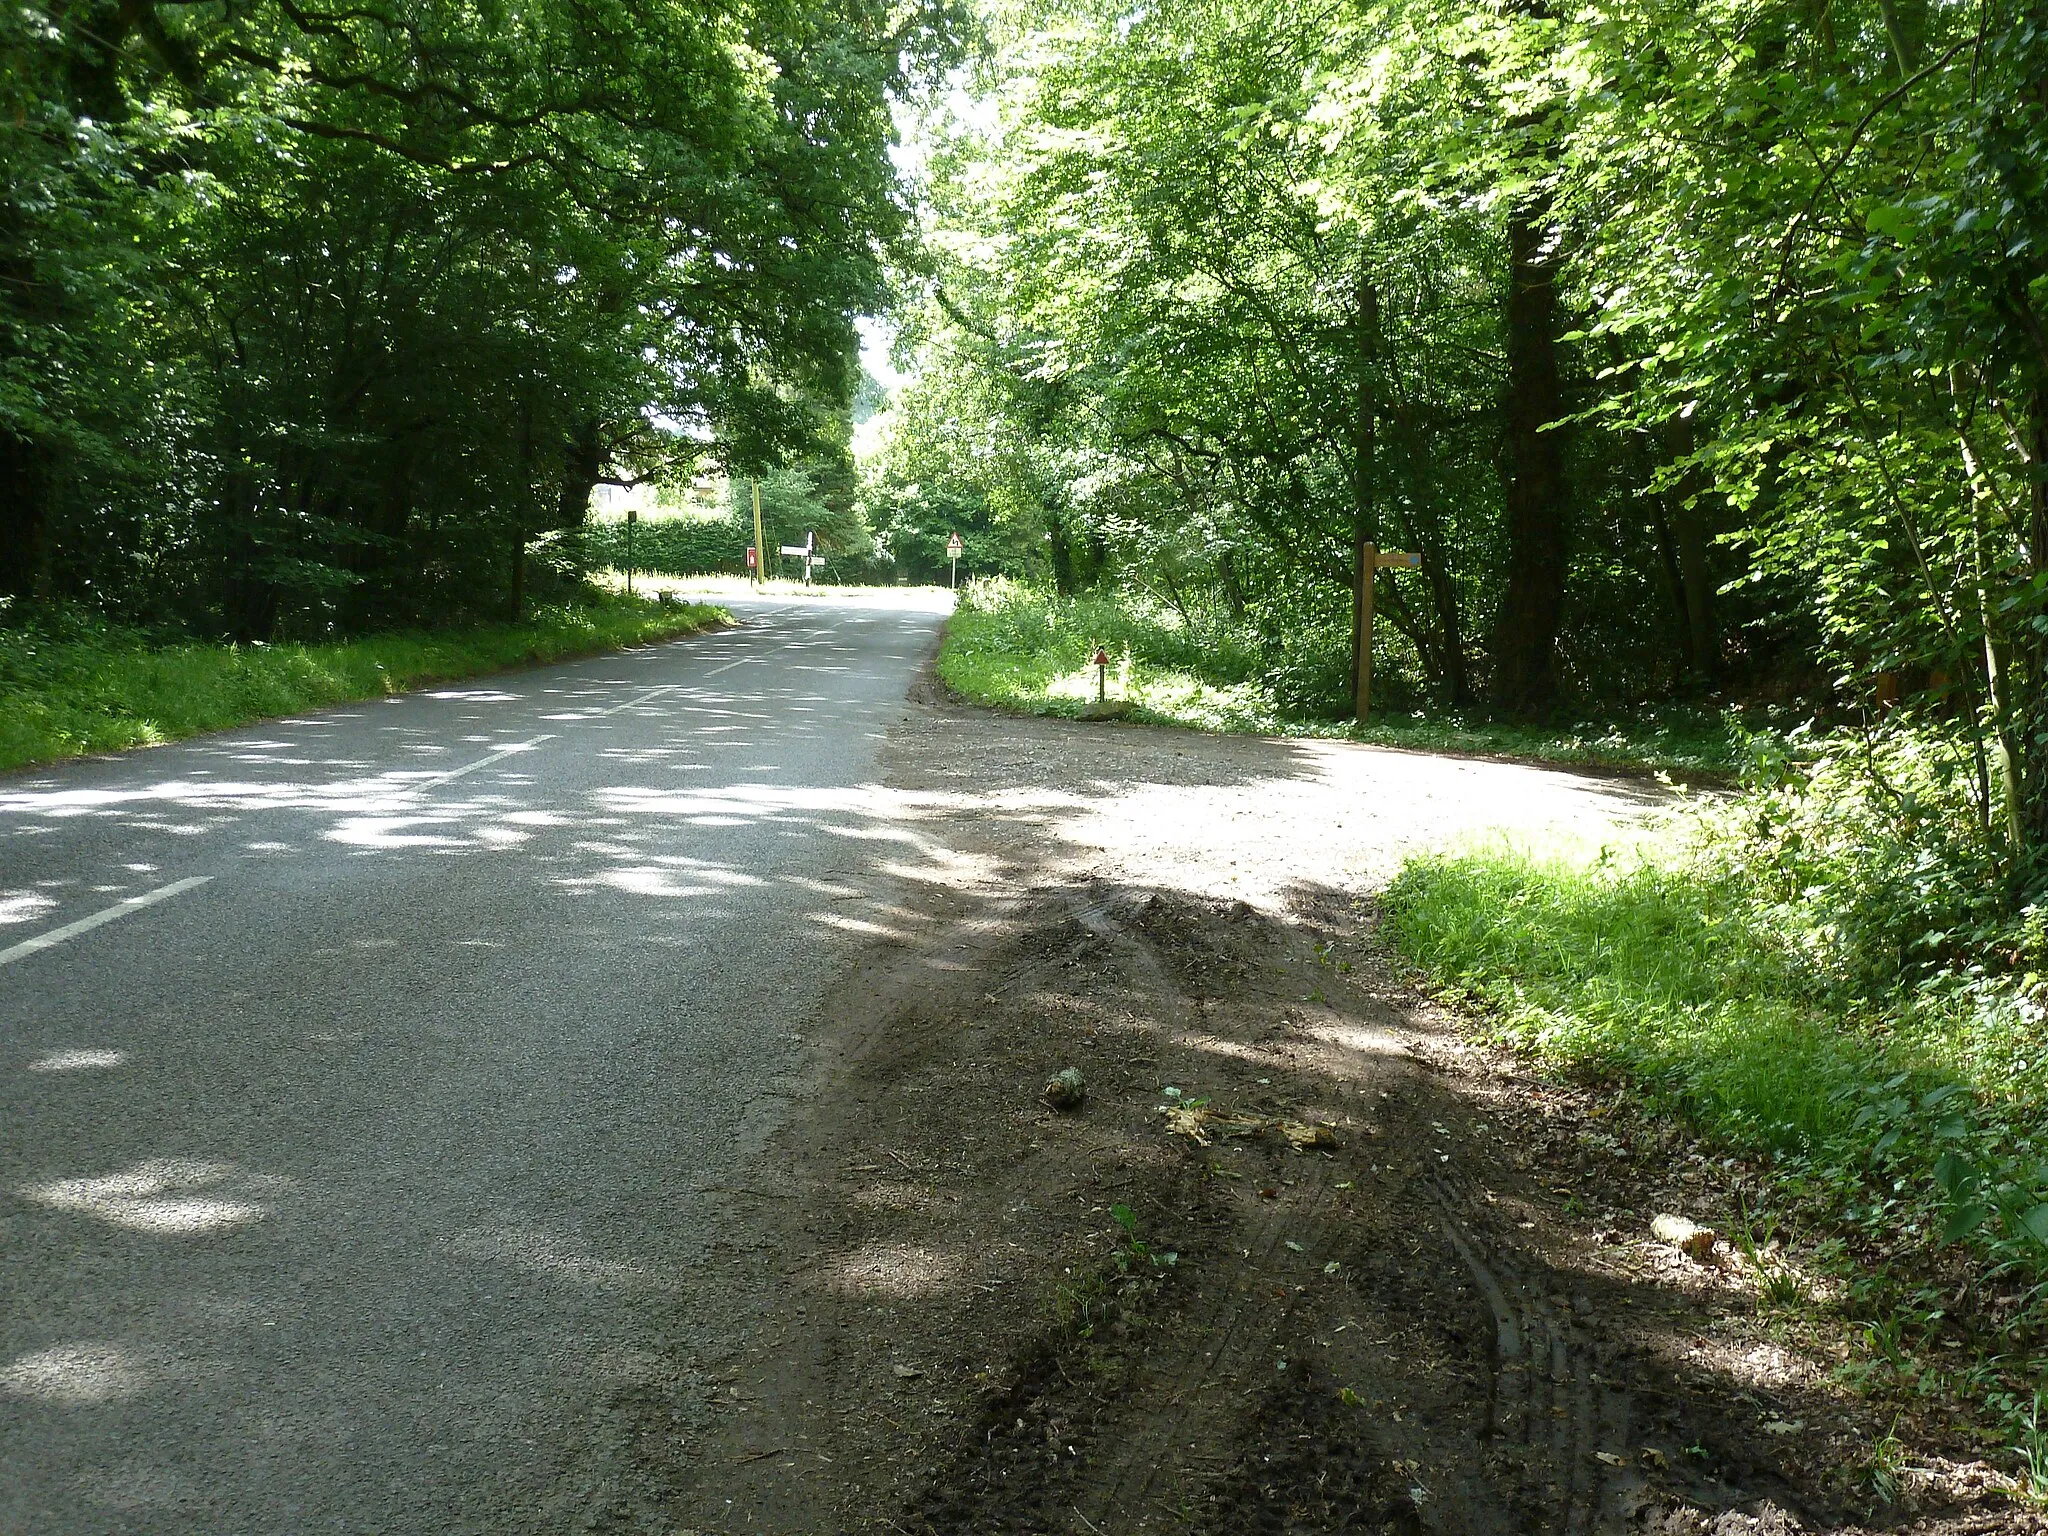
(1307, 1259)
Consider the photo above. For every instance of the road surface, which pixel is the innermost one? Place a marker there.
(374, 1085)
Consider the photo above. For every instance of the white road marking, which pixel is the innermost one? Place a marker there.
(56, 936)
(638, 698)
(483, 762)
(757, 655)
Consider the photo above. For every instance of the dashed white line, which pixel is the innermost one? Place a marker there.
(483, 762)
(56, 936)
(638, 698)
(757, 655)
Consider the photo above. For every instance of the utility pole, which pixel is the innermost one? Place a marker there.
(760, 544)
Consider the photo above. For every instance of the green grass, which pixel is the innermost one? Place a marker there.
(1898, 1129)
(1012, 649)
(111, 690)
(1643, 964)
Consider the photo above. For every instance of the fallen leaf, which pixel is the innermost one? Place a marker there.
(1182, 1121)
(1301, 1135)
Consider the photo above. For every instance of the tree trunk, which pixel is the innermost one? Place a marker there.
(1443, 596)
(24, 516)
(2033, 774)
(1058, 550)
(582, 465)
(1674, 581)
(1532, 606)
(1905, 24)
(1997, 686)
(250, 600)
(1364, 513)
(1696, 585)
(1233, 586)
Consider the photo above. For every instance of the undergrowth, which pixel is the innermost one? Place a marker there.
(1016, 648)
(71, 684)
(1832, 976)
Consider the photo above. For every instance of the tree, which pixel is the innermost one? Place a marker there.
(396, 287)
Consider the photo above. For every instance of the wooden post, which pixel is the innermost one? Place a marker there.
(1371, 558)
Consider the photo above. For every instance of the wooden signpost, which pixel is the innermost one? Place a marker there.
(1372, 558)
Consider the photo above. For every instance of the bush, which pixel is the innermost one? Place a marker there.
(1309, 675)
(673, 546)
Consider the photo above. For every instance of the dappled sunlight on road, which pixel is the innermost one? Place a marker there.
(168, 1196)
(77, 1375)
(558, 1258)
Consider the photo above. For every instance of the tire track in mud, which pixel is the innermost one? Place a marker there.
(1552, 1411)
(1192, 1397)
(1149, 1451)
(1177, 1402)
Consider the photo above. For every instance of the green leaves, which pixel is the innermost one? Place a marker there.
(331, 310)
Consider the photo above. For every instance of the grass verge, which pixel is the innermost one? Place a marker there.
(1016, 650)
(1897, 1133)
(110, 690)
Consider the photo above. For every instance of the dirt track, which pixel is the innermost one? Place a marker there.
(1450, 1317)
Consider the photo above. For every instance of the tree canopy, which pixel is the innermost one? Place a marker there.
(1693, 347)
(319, 316)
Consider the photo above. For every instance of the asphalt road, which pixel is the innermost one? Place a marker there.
(355, 1181)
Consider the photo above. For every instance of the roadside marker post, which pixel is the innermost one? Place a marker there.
(954, 549)
(760, 543)
(1372, 558)
(632, 517)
